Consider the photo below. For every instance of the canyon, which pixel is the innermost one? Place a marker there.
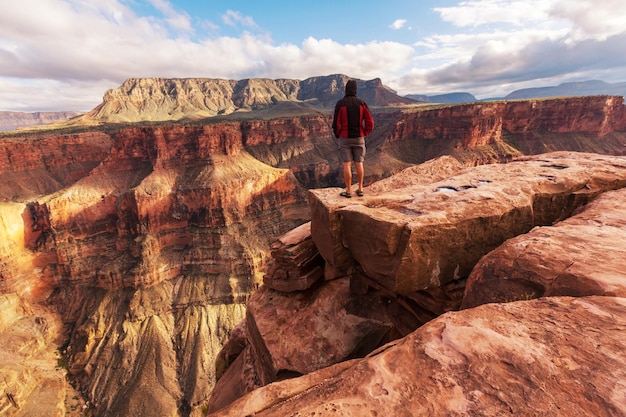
(142, 259)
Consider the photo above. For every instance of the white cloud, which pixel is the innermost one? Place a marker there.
(482, 12)
(592, 18)
(234, 18)
(398, 24)
(70, 51)
(180, 21)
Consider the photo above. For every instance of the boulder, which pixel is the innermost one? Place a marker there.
(583, 255)
(423, 236)
(296, 263)
(551, 356)
(292, 334)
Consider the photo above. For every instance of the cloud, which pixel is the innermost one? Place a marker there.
(483, 12)
(179, 21)
(592, 18)
(398, 24)
(70, 51)
(234, 18)
(514, 43)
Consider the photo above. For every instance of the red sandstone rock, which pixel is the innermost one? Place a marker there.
(552, 356)
(42, 163)
(296, 263)
(325, 205)
(297, 333)
(583, 255)
(421, 237)
(10, 120)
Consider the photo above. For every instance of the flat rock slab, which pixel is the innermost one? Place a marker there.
(555, 356)
(425, 235)
(583, 255)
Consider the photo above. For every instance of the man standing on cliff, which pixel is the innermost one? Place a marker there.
(352, 122)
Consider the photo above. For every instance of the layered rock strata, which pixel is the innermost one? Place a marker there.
(551, 356)
(420, 237)
(34, 382)
(147, 259)
(11, 120)
(501, 130)
(403, 250)
(39, 164)
(162, 99)
(558, 260)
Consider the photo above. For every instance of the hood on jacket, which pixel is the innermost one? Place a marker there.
(351, 88)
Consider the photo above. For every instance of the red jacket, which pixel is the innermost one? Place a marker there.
(352, 118)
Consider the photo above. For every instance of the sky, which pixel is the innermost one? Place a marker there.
(62, 55)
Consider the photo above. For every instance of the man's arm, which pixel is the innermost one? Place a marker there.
(336, 125)
(368, 120)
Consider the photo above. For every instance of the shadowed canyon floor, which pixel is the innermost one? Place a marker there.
(131, 253)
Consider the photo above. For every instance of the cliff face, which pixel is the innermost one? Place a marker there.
(145, 242)
(159, 99)
(149, 258)
(11, 120)
(502, 130)
(376, 331)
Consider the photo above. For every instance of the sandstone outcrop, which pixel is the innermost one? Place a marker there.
(163, 99)
(500, 130)
(583, 255)
(420, 237)
(42, 163)
(33, 383)
(148, 258)
(551, 356)
(403, 250)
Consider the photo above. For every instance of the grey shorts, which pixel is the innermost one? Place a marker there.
(352, 149)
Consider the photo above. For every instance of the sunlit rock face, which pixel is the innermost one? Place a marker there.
(141, 245)
(498, 131)
(155, 253)
(148, 258)
(405, 250)
(425, 236)
(166, 99)
(582, 255)
(32, 165)
(566, 354)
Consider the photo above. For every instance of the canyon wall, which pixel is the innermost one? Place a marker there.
(166, 99)
(11, 120)
(144, 242)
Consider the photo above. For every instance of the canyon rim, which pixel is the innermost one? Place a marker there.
(139, 248)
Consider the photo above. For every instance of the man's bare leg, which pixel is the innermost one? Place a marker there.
(359, 173)
(347, 175)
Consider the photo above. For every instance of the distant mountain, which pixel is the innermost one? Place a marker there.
(11, 120)
(582, 88)
(571, 89)
(449, 98)
(168, 99)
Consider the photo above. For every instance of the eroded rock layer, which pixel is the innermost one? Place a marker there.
(405, 249)
(147, 258)
(420, 237)
(551, 356)
(582, 255)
